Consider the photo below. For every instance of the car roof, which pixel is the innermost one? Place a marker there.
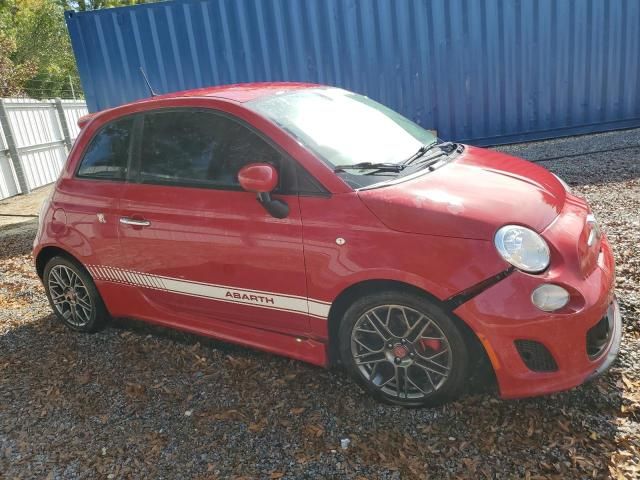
(238, 92)
(241, 92)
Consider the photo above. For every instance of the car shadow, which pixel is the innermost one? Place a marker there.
(65, 388)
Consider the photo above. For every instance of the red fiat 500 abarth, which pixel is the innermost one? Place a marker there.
(315, 223)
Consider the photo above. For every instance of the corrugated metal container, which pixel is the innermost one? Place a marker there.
(486, 71)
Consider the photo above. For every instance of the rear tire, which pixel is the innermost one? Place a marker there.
(403, 349)
(73, 295)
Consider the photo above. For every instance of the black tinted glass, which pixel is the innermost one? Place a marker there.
(199, 149)
(106, 157)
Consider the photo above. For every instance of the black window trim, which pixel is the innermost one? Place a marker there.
(293, 167)
(136, 147)
(132, 140)
(320, 192)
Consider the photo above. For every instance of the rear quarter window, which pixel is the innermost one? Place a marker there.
(107, 155)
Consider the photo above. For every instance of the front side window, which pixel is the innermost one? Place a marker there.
(108, 153)
(199, 149)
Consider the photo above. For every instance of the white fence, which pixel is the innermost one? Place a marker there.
(35, 137)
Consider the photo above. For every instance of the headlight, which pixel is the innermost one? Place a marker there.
(523, 248)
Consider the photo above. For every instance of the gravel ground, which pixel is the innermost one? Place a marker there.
(136, 401)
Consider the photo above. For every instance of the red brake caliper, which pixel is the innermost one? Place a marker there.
(431, 344)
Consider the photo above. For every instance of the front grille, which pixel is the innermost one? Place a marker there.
(598, 337)
(536, 356)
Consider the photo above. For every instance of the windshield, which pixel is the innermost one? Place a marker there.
(344, 128)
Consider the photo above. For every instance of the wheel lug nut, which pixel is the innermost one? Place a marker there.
(397, 360)
(412, 354)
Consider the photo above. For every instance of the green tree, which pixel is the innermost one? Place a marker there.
(36, 58)
(86, 5)
(13, 76)
(39, 51)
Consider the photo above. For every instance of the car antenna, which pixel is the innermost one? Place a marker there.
(146, 80)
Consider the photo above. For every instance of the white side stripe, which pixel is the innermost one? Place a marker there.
(256, 298)
(238, 296)
(162, 284)
(145, 281)
(153, 281)
(318, 309)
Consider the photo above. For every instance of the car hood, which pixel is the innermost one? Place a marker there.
(470, 197)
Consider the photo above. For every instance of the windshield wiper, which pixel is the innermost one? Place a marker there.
(445, 149)
(421, 151)
(430, 160)
(381, 167)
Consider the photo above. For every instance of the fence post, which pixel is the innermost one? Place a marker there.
(63, 124)
(13, 150)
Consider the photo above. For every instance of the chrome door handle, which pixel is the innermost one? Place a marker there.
(135, 222)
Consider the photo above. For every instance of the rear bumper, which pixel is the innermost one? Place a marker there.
(504, 313)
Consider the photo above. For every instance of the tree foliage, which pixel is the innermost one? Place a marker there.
(12, 76)
(86, 5)
(36, 58)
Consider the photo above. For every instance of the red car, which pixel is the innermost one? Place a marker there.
(315, 223)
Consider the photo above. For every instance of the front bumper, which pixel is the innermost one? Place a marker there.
(504, 313)
(614, 348)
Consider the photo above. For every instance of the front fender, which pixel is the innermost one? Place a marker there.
(346, 244)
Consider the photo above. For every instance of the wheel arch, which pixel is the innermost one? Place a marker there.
(351, 293)
(47, 253)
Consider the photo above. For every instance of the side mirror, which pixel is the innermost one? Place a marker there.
(262, 178)
(258, 177)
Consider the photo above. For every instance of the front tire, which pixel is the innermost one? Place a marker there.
(73, 295)
(403, 349)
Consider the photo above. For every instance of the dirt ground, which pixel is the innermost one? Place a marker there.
(20, 208)
(135, 401)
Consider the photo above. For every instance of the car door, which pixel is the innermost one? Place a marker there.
(194, 243)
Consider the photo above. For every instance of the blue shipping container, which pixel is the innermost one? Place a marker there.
(482, 71)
